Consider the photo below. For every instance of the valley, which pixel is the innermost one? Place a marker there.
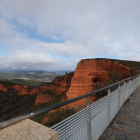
(41, 76)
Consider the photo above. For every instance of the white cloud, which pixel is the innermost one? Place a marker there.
(72, 68)
(24, 67)
(85, 28)
(15, 67)
(6, 66)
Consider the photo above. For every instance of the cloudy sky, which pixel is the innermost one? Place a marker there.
(56, 34)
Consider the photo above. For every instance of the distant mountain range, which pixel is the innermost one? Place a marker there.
(26, 75)
(37, 71)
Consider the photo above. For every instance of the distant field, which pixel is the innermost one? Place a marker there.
(28, 78)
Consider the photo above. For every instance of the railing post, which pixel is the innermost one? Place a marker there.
(109, 101)
(129, 87)
(119, 96)
(139, 79)
(88, 119)
(133, 84)
(124, 93)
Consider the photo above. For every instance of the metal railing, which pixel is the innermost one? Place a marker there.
(90, 122)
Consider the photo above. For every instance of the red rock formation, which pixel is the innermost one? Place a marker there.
(59, 85)
(42, 98)
(3, 88)
(21, 89)
(88, 72)
(35, 90)
(45, 120)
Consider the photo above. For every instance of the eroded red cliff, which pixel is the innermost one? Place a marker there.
(88, 72)
(59, 86)
(21, 89)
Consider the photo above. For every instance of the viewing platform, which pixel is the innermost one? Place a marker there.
(126, 124)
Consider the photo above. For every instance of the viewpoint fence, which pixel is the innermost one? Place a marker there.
(90, 122)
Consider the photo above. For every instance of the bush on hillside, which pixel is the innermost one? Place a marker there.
(58, 115)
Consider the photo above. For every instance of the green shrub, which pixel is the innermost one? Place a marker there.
(58, 115)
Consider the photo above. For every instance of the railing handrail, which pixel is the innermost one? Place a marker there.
(55, 106)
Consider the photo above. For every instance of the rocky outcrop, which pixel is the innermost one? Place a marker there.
(88, 72)
(58, 86)
(42, 98)
(3, 88)
(21, 89)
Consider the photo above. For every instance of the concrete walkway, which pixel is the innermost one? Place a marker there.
(126, 124)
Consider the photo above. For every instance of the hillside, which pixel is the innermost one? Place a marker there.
(90, 74)
(19, 99)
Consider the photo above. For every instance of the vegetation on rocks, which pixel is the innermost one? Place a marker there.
(112, 78)
(58, 115)
(128, 63)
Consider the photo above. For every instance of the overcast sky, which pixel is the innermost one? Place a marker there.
(56, 34)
